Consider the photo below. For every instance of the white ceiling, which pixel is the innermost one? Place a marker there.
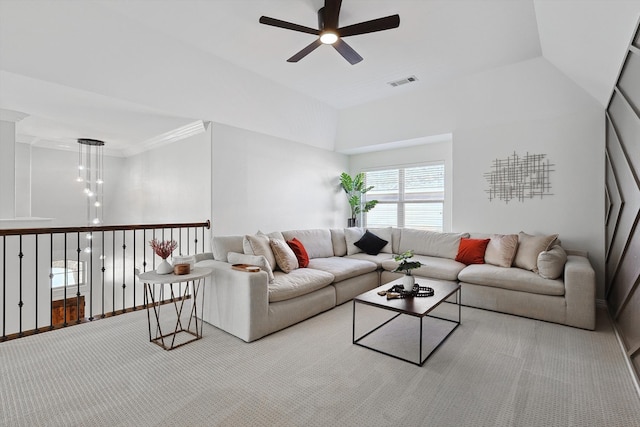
(127, 71)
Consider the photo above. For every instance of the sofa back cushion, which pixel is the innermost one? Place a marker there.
(431, 243)
(338, 241)
(222, 245)
(317, 242)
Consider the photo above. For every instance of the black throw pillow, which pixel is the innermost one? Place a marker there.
(370, 243)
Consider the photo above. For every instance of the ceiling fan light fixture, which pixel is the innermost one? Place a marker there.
(328, 37)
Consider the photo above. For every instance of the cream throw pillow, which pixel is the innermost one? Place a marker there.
(529, 247)
(285, 257)
(259, 245)
(501, 249)
(551, 262)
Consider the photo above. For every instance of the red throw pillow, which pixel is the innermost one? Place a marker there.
(301, 253)
(471, 251)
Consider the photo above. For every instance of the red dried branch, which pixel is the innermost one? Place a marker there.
(163, 249)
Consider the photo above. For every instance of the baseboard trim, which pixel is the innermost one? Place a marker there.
(627, 359)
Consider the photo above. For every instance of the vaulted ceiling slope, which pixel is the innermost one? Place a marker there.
(131, 71)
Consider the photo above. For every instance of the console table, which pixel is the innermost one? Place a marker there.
(154, 289)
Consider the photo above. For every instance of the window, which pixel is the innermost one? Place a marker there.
(410, 197)
(72, 275)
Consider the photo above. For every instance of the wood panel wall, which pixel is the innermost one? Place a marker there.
(622, 202)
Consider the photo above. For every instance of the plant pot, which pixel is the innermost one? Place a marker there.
(408, 281)
(164, 267)
(351, 222)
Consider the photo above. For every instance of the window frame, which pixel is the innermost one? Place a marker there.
(402, 200)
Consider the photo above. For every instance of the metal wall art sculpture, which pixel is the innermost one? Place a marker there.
(519, 178)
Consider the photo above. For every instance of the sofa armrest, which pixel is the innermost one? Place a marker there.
(580, 292)
(203, 256)
(236, 301)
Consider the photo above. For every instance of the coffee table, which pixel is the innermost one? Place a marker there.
(396, 332)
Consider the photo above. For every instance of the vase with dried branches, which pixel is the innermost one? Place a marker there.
(163, 249)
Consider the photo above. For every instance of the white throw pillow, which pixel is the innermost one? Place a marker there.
(259, 245)
(551, 263)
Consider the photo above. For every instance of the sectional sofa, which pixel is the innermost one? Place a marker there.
(306, 272)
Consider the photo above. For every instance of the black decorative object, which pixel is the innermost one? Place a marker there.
(397, 292)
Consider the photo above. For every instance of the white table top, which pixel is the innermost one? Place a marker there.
(196, 273)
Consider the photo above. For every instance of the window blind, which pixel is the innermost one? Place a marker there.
(408, 197)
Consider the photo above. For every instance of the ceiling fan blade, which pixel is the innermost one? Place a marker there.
(347, 52)
(380, 24)
(288, 25)
(332, 12)
(304, 52)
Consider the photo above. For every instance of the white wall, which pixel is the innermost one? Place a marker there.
(420, 154)
(526, 107)
(267, 183)
(171, 183)
(56, 194)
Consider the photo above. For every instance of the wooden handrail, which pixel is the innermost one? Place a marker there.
(57, 230)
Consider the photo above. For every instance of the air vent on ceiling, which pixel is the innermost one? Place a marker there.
(404, 81)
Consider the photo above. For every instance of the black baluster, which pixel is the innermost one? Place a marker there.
(195, 240)
(113, 275)
(64, 302)
(91, 276)
(51, 281)
(134, 270)
(4, 288)
(79, 251)
(144, 250)
(102, 270)
(36, 285)
(124, 285)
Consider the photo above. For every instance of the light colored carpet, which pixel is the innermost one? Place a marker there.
(494, 370)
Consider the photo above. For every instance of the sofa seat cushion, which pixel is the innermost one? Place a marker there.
(296, 283)
(513, 278)
(432, 267)
(378, 259)
(343, 267)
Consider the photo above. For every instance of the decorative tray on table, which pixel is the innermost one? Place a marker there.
(398, 291)
(246, 267)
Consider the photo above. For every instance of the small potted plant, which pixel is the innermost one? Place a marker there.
(405, 266)
(163, 249)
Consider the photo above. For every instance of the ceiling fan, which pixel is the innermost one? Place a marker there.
(328, 31)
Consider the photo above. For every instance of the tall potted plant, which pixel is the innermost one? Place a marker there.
(355, 189)
(405, 266)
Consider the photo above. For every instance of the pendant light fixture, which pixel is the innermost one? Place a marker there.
(90, 173)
